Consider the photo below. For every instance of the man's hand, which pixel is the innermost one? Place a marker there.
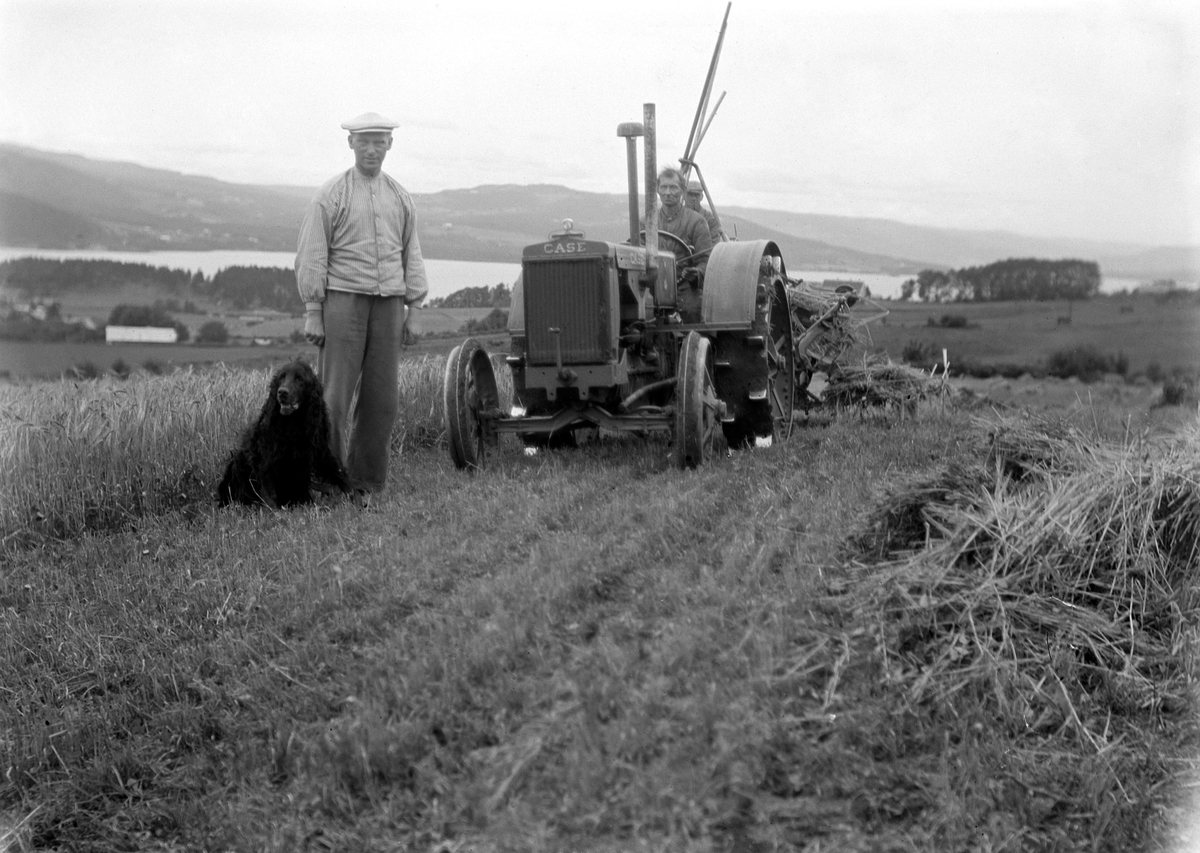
(314, 327)
(690, 276)
(412, 325)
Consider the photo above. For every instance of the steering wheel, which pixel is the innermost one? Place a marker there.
(678, 246)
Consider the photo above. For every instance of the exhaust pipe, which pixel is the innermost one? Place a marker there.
(631, 130)
(651, 143)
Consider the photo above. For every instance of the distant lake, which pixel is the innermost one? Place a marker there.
(445, 277)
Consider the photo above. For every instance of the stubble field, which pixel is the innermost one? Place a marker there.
(974, 629)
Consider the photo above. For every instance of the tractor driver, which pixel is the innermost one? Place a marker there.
(691, 227)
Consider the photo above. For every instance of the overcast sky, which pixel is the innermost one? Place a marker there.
(1057, 117)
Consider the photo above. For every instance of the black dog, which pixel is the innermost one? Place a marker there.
(288, 444)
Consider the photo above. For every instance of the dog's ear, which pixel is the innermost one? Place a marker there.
(269, 404)
(311, 380)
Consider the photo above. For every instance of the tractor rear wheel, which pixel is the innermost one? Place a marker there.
(469, 390)
(746, 288)
(769, 415)
(781, 364)
(698, 411)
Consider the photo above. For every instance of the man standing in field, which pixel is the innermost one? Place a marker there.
(362, 278)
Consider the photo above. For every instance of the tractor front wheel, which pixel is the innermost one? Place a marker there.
(469, 390)
(698, 410)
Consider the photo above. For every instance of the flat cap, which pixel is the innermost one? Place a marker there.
(370, 123)
(694, 186)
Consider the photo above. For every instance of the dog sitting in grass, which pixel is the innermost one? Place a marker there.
(287, 448)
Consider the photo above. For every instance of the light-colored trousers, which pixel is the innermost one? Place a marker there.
(361, 354)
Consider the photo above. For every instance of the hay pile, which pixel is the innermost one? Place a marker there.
(1050, 592)
(877, 381)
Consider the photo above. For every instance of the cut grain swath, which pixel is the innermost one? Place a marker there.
(1051, 589)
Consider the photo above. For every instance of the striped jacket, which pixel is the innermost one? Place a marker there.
(360, 235)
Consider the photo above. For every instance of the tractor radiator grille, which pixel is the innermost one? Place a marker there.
(572, 296)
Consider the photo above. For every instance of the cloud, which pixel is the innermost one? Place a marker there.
(1068, 116)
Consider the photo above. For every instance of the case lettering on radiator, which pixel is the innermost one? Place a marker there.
(563, 248)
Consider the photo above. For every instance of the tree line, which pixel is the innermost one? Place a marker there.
(1009, 280)
(237, 287)
(48, 277)
(483, 296)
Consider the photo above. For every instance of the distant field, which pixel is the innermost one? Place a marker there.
(440, 320)
(1145, 329)
(270, 324)
(98, 305)
(51, 360)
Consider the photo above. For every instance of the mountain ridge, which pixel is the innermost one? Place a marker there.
(56, 200)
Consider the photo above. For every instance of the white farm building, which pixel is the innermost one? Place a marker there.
(140, 335)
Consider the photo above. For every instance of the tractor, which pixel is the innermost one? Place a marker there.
(599, 340)
(613, 336)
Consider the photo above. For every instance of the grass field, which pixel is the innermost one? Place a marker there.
(35, 360)
(942, 633)
(1145, 329)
